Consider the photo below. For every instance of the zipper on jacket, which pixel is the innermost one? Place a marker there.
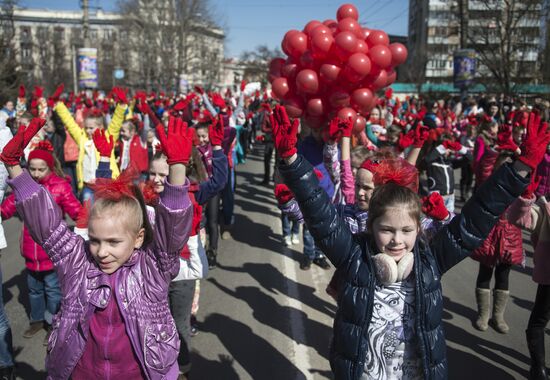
(420, 314)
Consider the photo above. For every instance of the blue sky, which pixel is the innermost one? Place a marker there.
(250, 23)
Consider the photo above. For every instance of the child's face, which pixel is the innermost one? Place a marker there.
(364, 186)
(111, 242)
(158, 171)
(127, 132)
(395, 232)
(38, 169)
(202, 134)
(90, 125)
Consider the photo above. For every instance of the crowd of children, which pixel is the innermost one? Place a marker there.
(150, 180)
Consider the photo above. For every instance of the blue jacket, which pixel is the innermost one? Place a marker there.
(351, 255)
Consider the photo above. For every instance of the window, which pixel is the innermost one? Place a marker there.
(25, 33)
(108, 34)
(26, 52)
(42, 32)
(93, 34)
(59, 33)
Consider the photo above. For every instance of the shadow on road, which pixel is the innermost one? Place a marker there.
(463, 365)
(271, 279)
(239, 339)
(267, 310)
(20, 281)
(212, 369)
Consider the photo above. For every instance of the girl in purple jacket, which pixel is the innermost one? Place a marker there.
(114, 319)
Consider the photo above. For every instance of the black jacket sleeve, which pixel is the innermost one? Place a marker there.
(211, 187)
(467, 231)
(330, 232)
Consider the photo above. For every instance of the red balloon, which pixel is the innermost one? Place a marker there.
(315, 107)
(289, 70)
(280, 87)
(360, 124)
(284, 43)
(345, 44)
(294, 106)
(392, 76)
(346, 113)
(350, 25)
(366, 33)
(329, 73)
(378, 37)
(362, 47)
(361, 99)
(320, 29)
(310, 26)
(296, 43)
(332, 25)
(307, 81)
(358, 66)
(347, 10)
(307, 60)
(321, 44)
(381, 56)
(339, 98)
(379, 81)
(275, 67)
(398, 53)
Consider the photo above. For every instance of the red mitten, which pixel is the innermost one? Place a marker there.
(38, 92)
(119, 95)
(284, 132)
(405, 140)
(421, 134)
(215, 131)
(283, 194)
(434, 207)
(260, 138)
(243, 85)
(178, 143)
(534, 145)
(339, 128)
(13, 151)
(505, 141)
(103, 145)
(83, 215)
(452, 145)
(199, 89)
(55, 97)
(267, 108)
(22, 91)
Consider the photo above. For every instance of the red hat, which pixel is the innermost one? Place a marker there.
(43, 151)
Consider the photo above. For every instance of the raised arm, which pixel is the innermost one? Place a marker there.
(68, 121)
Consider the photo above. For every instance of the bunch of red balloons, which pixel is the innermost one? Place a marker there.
(334, 68)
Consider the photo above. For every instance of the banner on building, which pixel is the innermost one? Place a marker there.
(464, 68)
(87, 68)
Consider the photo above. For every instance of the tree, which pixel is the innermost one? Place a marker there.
(164, 41)
(257, 62)
(10, 70)
(505, 39)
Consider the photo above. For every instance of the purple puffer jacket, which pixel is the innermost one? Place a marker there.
(141, 291)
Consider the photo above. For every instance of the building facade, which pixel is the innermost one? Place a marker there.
(438, 28)
(46, 42)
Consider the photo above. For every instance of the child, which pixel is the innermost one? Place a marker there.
(133, 145)
(193, 260)
(114, 319)
(44, 291)
(388, 323)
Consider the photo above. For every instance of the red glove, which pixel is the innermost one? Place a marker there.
(339, 128)
(260, 138)
(38, 91)
(55, 97)
(534, 145)
(119, 95)
(405, 140)
(199, 89)
(505, 141)
(243, 85)
(284, 132)
(283, 194)
(452, 145)
(421, 134)
(13, 151)
(434, 207)
(533, 185)
(267, 108)
(22, 91)
(215, 132)
(103, 145)
(177, 145)
(83, 215)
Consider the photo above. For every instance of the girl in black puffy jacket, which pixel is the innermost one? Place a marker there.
(388, 323)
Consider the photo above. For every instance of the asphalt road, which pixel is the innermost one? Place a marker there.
(261, 317)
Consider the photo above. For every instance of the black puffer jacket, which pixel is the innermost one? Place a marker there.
(352, 256)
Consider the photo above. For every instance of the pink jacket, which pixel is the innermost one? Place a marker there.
(60, 188)
(535, 217)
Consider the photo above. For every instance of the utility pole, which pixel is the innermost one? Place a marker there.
(85, 24)
(463, 11)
